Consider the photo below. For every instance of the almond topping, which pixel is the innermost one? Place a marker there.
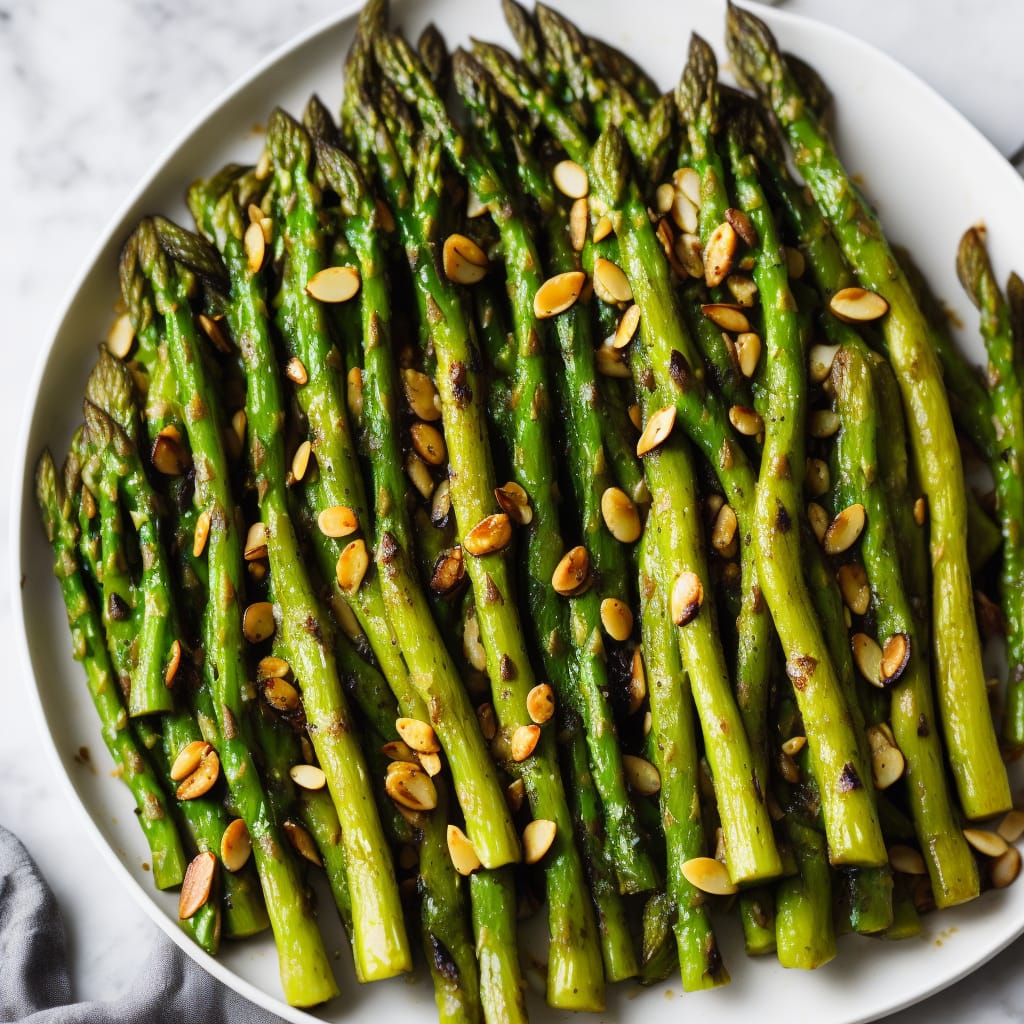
(173, 664)
(256, 542)
(188, 759)
(1011, 828)
(642, 776)
(991, 844)
(235, 845)
(354, 392)
(723, 534)
(491, 534)
(602, 229)
(637, 685)
(570, 179)
(464, 261)
(120, 337)
(558, 293)
(818, 518)
(895, 655)
(853, 584)
(524, 741)
(819, 362)
(906, 860)
(352, 565)
(430, 763)
(255, 247)
(461, 851)
(610, 283)
(258, 622)
(687, 597)
(817, 479)
(687, 180)
(540, 703)
(337, 521)
(537, 839)
(845, 529)
(398, 750)
(449, 571)
(658, 428)
(708, 875)
(616, 618)
(202, 778)
(1005, 869)
(795, 263)
(420, 476)
(887, 762)
(610, 363)
(514, 501)
(334, 284)
(302, 842)
(572, 572)
(727, 316)
(472, 647)
(296, 372)
(421, 394)
(441, 504)
(718, 256)
(664, 197)
(410, 786)
(579, 220)
(822, 423)
(857, 305)
(794, 745)
(197, 884)
(429, 443)
(300, 460)
(488, 723)
(684, 214)
(418, 735)
(628, 324)
(169, 455)
(743, 289)
(920, 511)
(868, 656)
(281, 695)
(213, 330)
(308, 776)
(747, 421)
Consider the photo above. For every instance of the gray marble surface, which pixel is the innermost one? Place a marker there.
(92, 93)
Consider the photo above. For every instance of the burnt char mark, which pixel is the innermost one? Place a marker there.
(388, 548)
(458, 375)
(680, 372)
(800, 668)
(507, 669)
(442, 959)
(849, 780)
(783, 522)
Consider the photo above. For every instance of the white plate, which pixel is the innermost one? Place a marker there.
(931, 174)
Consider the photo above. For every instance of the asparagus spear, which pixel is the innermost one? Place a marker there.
(305, 972)
(967, 722)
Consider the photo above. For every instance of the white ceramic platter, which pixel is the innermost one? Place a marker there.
(931, 175)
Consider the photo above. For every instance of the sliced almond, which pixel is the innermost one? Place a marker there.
(487, 720)
(728, 316)
(300, 460)
(514, 500)
(302, 842)
(748, 352)
(449, 571)
(747, 421)
(188, 759)
(1011, 828)
(399, 750)
(281, 695)
(422, 396)
(169, 455)
(743, 289)
(579, 221)
(429, 443)
(213, 329)
(718, 256)
(472, 646)
(664, 197)
(723, 534)
(844, 531)
(637, 684)
(817, 478)
(572, 572)
(708, 875)
(430, 763)
(352, 565)
(991, 844)
(411, 787)
(461, 851)
(120, 337)
(308, 776)
(295, 371)
(854, 586)
(173, 663)
(819, 362)
(602, 229)
(418, 735)
(464, 261)
(636, 417)
(203, 778)
(658, 428)
(354, 392)
(515, 794)
(610, 282)
(255, 247)
(906, 860)
(794, 745)
(524, 742)
(690, 255)
(684, 213)
(868, 657)
(558, 293)
(795, 263)
(895, 656)
(197, 884)
(920, 511)
(540, 703)
(857, 305)
(537, 839)
(628, 323)
(570, 179)
(337, 521)
(818, 518)
(609, 362)
(687, 180)
(419, 475)
(687, 597)
(491, 534)
(887, 761)
(334, 284)
(258, 622)
(642, 776)
(1005, 869)
(475, 206)
(256, 541)
(264, 166)
(235, 845)
(822, 423)
(441, 504)
(616, 618)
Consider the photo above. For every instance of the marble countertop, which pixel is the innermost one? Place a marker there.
(94, 93)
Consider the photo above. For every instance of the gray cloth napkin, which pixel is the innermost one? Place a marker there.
(35, 987)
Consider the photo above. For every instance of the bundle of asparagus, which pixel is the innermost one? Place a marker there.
(715, 634)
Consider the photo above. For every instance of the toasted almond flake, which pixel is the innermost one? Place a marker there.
(537, 839)
(887, 761)
(173, 663)
(302, 842)
(197, 884)
(258, 570)
(524, 742)
(868, 657)
(818, 518)
(743, 289)
(169, 455)
(558, 293)
(616, 618)
(1006, 868)
(258, 622)
(708, 875)
(637, 684)
(540, 703)
(409, 786)
(120, 337)
(281, 695)
(441, 503)
(354, 392)
(421, 394)
(515, 794)
(690, 255)
(789, 770)
(429, 443)
(794, 745)
(718, 258)
(296, 372)
(658, 428)
(610, 282)
(636, 417)
(748, 352)
(747, 421)
(844, 531)
(642, 776)
(1011, 828)
(742, 225)
(188, 759)
(491, 534)
(610, 363)
(449, 571)
(430, 763)
(255, 247)
(819, 362)
(687, 597)
(464, 261)
(664, 197)
(570, 179)
(723, 534)
(822, 423)
(334, 284)
(991, 844)
(202, 779)
(514, 500)
(256, 541)
(728, 316)
(906, 860)
(487, 720)
(795, 263)
(235, 845)
(213, 329)
(300, 460)
(420, 476)
(398, 750)
(264, 166)
(895, 656)
(853, 585)
(472, 646)
(817, 478)
(475, 206)
(238, 425)
(308, 776)
(687, 180)
(628, 323)
(920, 511)
(684, 214)
(572, 572)
(337, 521)
(857, 305)
(579, 221)
(461, 851)
(603, 228)
(418, 735)
(352, 565)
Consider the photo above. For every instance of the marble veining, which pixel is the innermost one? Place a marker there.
(93, 92)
